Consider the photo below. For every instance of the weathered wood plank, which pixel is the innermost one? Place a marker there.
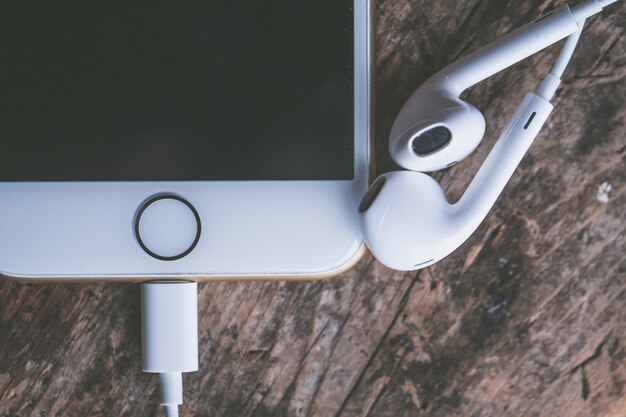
(526, 319)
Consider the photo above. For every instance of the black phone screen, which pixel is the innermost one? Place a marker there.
(131, 90)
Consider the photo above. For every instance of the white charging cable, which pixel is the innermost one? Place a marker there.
(169, 329)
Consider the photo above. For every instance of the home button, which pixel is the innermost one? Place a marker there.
(167, 227)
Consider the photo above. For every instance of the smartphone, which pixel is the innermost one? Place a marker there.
(204, 139)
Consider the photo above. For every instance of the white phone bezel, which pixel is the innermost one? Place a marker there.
(83, 231)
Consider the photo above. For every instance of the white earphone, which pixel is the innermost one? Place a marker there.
(407, 221)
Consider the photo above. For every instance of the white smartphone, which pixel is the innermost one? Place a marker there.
(198, 139)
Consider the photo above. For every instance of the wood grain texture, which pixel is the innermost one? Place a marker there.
(528, 318)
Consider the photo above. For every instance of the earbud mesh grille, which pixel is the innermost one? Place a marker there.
(431, 140)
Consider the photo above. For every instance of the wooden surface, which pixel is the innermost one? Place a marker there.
(528, 318)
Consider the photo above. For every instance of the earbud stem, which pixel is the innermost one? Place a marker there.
(502, 161)
(506, 51)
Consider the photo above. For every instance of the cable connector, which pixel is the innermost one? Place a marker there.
(169, 329)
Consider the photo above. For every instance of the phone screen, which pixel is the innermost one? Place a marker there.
(127, 90)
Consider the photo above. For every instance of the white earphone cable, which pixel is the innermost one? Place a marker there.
(552, 80)
(588, 8)
(566, 53)
(605, 3)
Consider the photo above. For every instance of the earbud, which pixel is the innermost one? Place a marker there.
(407, 221)
(447, 130)
(437, 105)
